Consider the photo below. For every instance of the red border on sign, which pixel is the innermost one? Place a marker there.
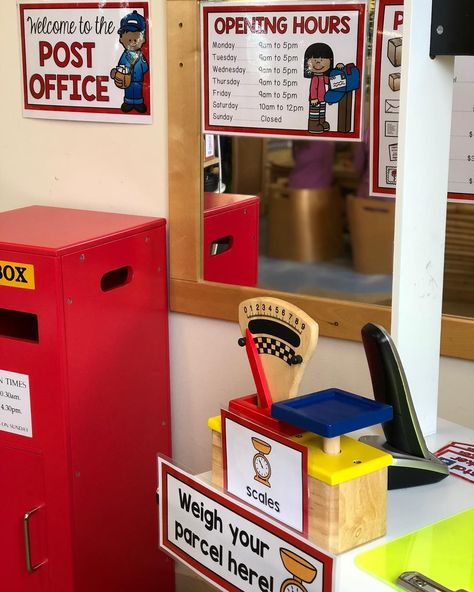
(469, 447)
(266, 433)
(167, 469)
(80, 5)
(448, 448)
(248, 9)
(377, 51)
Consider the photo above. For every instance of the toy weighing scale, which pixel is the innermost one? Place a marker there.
(347, 479)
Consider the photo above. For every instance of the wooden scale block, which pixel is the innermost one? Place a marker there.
(350, 514)
(347, 480)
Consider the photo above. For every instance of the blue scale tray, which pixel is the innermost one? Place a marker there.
(331, 412)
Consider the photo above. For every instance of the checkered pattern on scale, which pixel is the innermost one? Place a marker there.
(274, 347)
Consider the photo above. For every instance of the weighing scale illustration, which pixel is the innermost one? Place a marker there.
(261, 464)
(301, 570)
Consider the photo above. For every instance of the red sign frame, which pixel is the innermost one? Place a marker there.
(375, 100)
(266, 433)
(376, 77)
(167, 469)
(247, 9)
(79, 5)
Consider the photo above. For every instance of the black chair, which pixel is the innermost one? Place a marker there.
(413, 464)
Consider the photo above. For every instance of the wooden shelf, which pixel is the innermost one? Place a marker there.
(210, 162)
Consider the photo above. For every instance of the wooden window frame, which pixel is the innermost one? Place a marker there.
(189, 293)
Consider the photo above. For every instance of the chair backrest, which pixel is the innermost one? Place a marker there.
(390, 386)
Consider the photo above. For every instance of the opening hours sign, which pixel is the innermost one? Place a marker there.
(292, 71)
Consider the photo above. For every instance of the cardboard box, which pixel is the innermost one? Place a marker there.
(371, 226)
(394, 51)
(304, 224)
(247, 165)
(394, 81)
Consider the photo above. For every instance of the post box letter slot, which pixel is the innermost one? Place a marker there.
(221, 245)
(19, 325)
(116, 278)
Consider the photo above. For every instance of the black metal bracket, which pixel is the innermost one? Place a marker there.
(452, 28)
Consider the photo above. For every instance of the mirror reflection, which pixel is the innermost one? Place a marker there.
(296, 216)
(318, 233)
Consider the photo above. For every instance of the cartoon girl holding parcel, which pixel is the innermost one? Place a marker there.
(318, 62)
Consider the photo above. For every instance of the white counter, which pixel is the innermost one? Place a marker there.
(411, 509)
(407, 510)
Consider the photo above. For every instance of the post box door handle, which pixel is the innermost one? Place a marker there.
(26, 532)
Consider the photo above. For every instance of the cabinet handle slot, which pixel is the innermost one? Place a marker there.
(221, 245)
(115, 278)
(19, 325)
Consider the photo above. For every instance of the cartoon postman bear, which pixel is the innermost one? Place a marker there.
(132, 66)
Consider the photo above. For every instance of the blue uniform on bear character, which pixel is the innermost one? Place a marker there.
(132, 34)
(137, 65)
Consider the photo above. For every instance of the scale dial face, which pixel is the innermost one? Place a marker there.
(274, 316)
(261, 466)
(285, 338)
(292, 586)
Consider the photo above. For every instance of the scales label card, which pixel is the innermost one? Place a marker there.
(232, 546)
(17, 275)
(265, 470)
(385, 106)
(86, 61)
(15, 407)
(284, 70)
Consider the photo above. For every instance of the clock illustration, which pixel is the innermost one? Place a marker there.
(261, 464)
(301, 569)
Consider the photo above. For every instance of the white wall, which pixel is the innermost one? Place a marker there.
(74, 164)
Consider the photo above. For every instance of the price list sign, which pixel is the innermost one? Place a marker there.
(461, 160)
(283, 70)
(385, 106)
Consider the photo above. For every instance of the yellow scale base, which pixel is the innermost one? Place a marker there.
(347, 492)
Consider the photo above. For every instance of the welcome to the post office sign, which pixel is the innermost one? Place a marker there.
(86, 60)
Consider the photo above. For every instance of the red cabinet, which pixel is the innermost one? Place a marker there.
(231, 226)
(84, 400)
(23, 513)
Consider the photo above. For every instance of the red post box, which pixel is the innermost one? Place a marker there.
(231, 238)
(84, 400)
